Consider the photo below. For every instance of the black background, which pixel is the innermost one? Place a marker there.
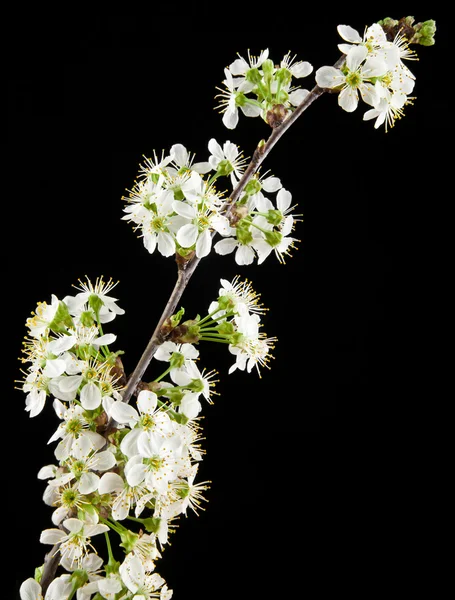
(317, 468)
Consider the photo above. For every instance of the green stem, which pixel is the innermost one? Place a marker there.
(209, 315)
(163, 374)
(109, 547)
(260, 228)
(214, 339)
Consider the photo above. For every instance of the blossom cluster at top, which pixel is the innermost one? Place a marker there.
(374, 71)
(257, 85)
(177, 210)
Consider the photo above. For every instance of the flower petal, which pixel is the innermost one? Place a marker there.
(349, 34)
(348, 99)
(110, 482)
(166, 244)
(90, 396)
(226, 246)
(329, 77)
(355, 57)
(147, 401)
(88, 482)
(123, 413)
(204, 244)
(187, 235)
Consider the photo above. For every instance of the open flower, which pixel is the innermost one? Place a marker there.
(356, 78)
(227, 160)
(143, 585)
(74, 544)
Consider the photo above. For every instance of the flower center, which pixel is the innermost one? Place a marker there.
(202, 223)
(154, 463)
(158, 224)
(354, 79)
(78, 467)
(70, 498)
(74, 427)
(147, 422)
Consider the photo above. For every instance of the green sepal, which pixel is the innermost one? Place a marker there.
(111, 568)
(87, 318)
(236, 338)
(180, 418)
(151, 524)
(79, 577)
(224, 168)
(253, 76)
(129, 540)
(184, 252)
(253, 187)
(175, 396)
(177, 360)
(274, 216)
(196, 385)
(226, 328)
(62, 319)
(155, 177)
(38, 573)
(283, 76)
(267, 69)
(95, 303)
(273, 238)
(178, 194)
(90, 510)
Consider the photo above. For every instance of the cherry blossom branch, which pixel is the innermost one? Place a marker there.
(187, 268)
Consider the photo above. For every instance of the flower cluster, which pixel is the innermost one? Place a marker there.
(257, 86)
(260, 226)
(233, 319)
(373, 69)
(143, 468)
(174, 207)
(68, 351)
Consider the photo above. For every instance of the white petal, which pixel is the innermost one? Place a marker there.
(69, 384)
(180, 154)
(355, 57)
(369, 94)
(132, 573)
(104, 340)
(329, 77)
(129, 443)
(271, 184)
(344, 48)
(298, 96)
(150, 242)
(226, 246)
(61, 345)
(263, 249)
(287, 226)
(88, 482)
(73, 525)
(110, 482)
(90, 396)
(47, 472)
(301, 69)
(147, 401)
(283, 200)
(349, 34)
(184, 210)
(59, 514)
(136, 475)
(104, 460)
(35, 401)
(244, 255)
(230, 151)
(52, 536)
(251, 110)
(239, 67)
(187, 235)
(216, 149)
(348, 99)
(201, 167)
(231, 118)
(30, 590)
(166, 244)
(374, 67)
(189, 351)
(204, 244)
(123, 413)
